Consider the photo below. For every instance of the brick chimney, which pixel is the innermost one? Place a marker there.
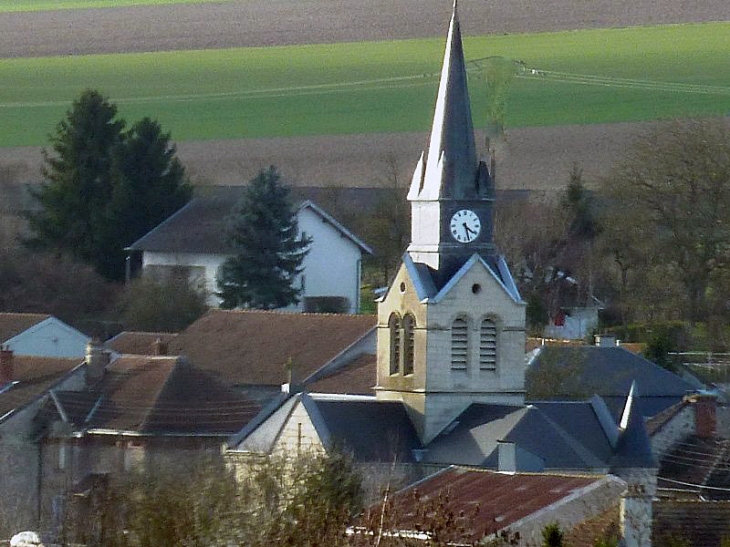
(705, 407)
(6, 365)
(97, 358)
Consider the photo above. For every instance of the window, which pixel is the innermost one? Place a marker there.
(395, 339)
(409, 343)
(459, 344)
(488, 345)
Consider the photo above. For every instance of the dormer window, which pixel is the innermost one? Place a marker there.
(394, 327)
(459, 344)
(488, 345)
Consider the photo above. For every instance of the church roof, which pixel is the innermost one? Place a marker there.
(452, 150)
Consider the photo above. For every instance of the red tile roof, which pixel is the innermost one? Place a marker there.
(34, 376)
(138, 343)
(12, 324)
(159, 395)
(486, 501)
(357, 378)
(253, 347)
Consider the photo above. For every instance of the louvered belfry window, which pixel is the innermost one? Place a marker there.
(395, 341)
(409, 343)
(488, 345)
(459, 344)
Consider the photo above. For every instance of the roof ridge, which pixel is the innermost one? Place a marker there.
(288, 313)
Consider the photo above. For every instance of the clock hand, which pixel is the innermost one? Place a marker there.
(468, 230)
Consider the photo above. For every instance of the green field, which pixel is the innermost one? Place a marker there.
(583, 77)
(45, 5)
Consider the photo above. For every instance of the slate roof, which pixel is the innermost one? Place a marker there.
(34, 377)
(608, 372)
(633, 449)
(253, 347)
(356, 378)
(485, 502)
(200, 225)
(700, 523)
(697, 467)
(157, 396)
(138, 343)
(541, 441)
(12, 324)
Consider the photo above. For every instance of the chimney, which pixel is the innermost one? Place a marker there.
(605, 340)
(705, 407)
(6, 365)
(506, 457)
(97, 358)
(159, 347)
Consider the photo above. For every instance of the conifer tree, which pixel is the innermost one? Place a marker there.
(268, 249)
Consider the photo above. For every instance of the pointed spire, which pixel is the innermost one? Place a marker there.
(633, 448)
(452, 154)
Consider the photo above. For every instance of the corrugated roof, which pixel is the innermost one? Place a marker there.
(35, 376)
(485, 502)
(254, 347)
(138, 343)
(12, 324)
(158, 395)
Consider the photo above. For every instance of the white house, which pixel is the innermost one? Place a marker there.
(191, 244)
(41, 335)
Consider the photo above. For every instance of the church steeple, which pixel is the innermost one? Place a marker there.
(451, 178)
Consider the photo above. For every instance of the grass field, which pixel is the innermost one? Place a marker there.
(7, 6)
(595, 76)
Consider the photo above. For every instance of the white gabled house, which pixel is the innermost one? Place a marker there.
(191, 244)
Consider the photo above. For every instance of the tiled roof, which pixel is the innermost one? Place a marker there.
(699, 523)
(138, 343)
(698, 466)
(254, 347)
(356, 378)
(158, 395)
(12, 324)
(35, 375)
(486, 502)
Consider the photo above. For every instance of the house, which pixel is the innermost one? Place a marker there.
(25, 384)
(191, 244)
(450, 358)
(134, 411)
(576, 372)
(40, 334)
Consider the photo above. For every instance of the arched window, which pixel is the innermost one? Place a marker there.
(459, 344)
(488, 345)
(394, 328)
(409, 343)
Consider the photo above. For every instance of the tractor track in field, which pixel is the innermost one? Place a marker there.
(532, 158)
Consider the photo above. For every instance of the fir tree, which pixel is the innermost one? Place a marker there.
(268, 249)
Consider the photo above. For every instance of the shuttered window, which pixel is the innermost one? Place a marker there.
(395, 343)
(409, 343)
(459, 344)
(488, 345)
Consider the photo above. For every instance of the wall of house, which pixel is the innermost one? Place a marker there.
(49, 338)
(332, 266)
(298, 433)
(681, 426)
(208, 264)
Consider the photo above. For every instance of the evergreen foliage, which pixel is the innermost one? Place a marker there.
(103, 187)
(268, 249)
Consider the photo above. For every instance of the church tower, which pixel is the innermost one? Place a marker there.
(451, 328)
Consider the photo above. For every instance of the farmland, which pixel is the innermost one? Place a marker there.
(353, 96)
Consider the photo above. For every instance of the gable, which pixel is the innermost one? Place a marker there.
(12, 324)
(49, 338)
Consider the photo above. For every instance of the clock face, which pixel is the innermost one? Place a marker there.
(465, 226)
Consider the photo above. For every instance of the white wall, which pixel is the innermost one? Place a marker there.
(50, 338)
(331, 268)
